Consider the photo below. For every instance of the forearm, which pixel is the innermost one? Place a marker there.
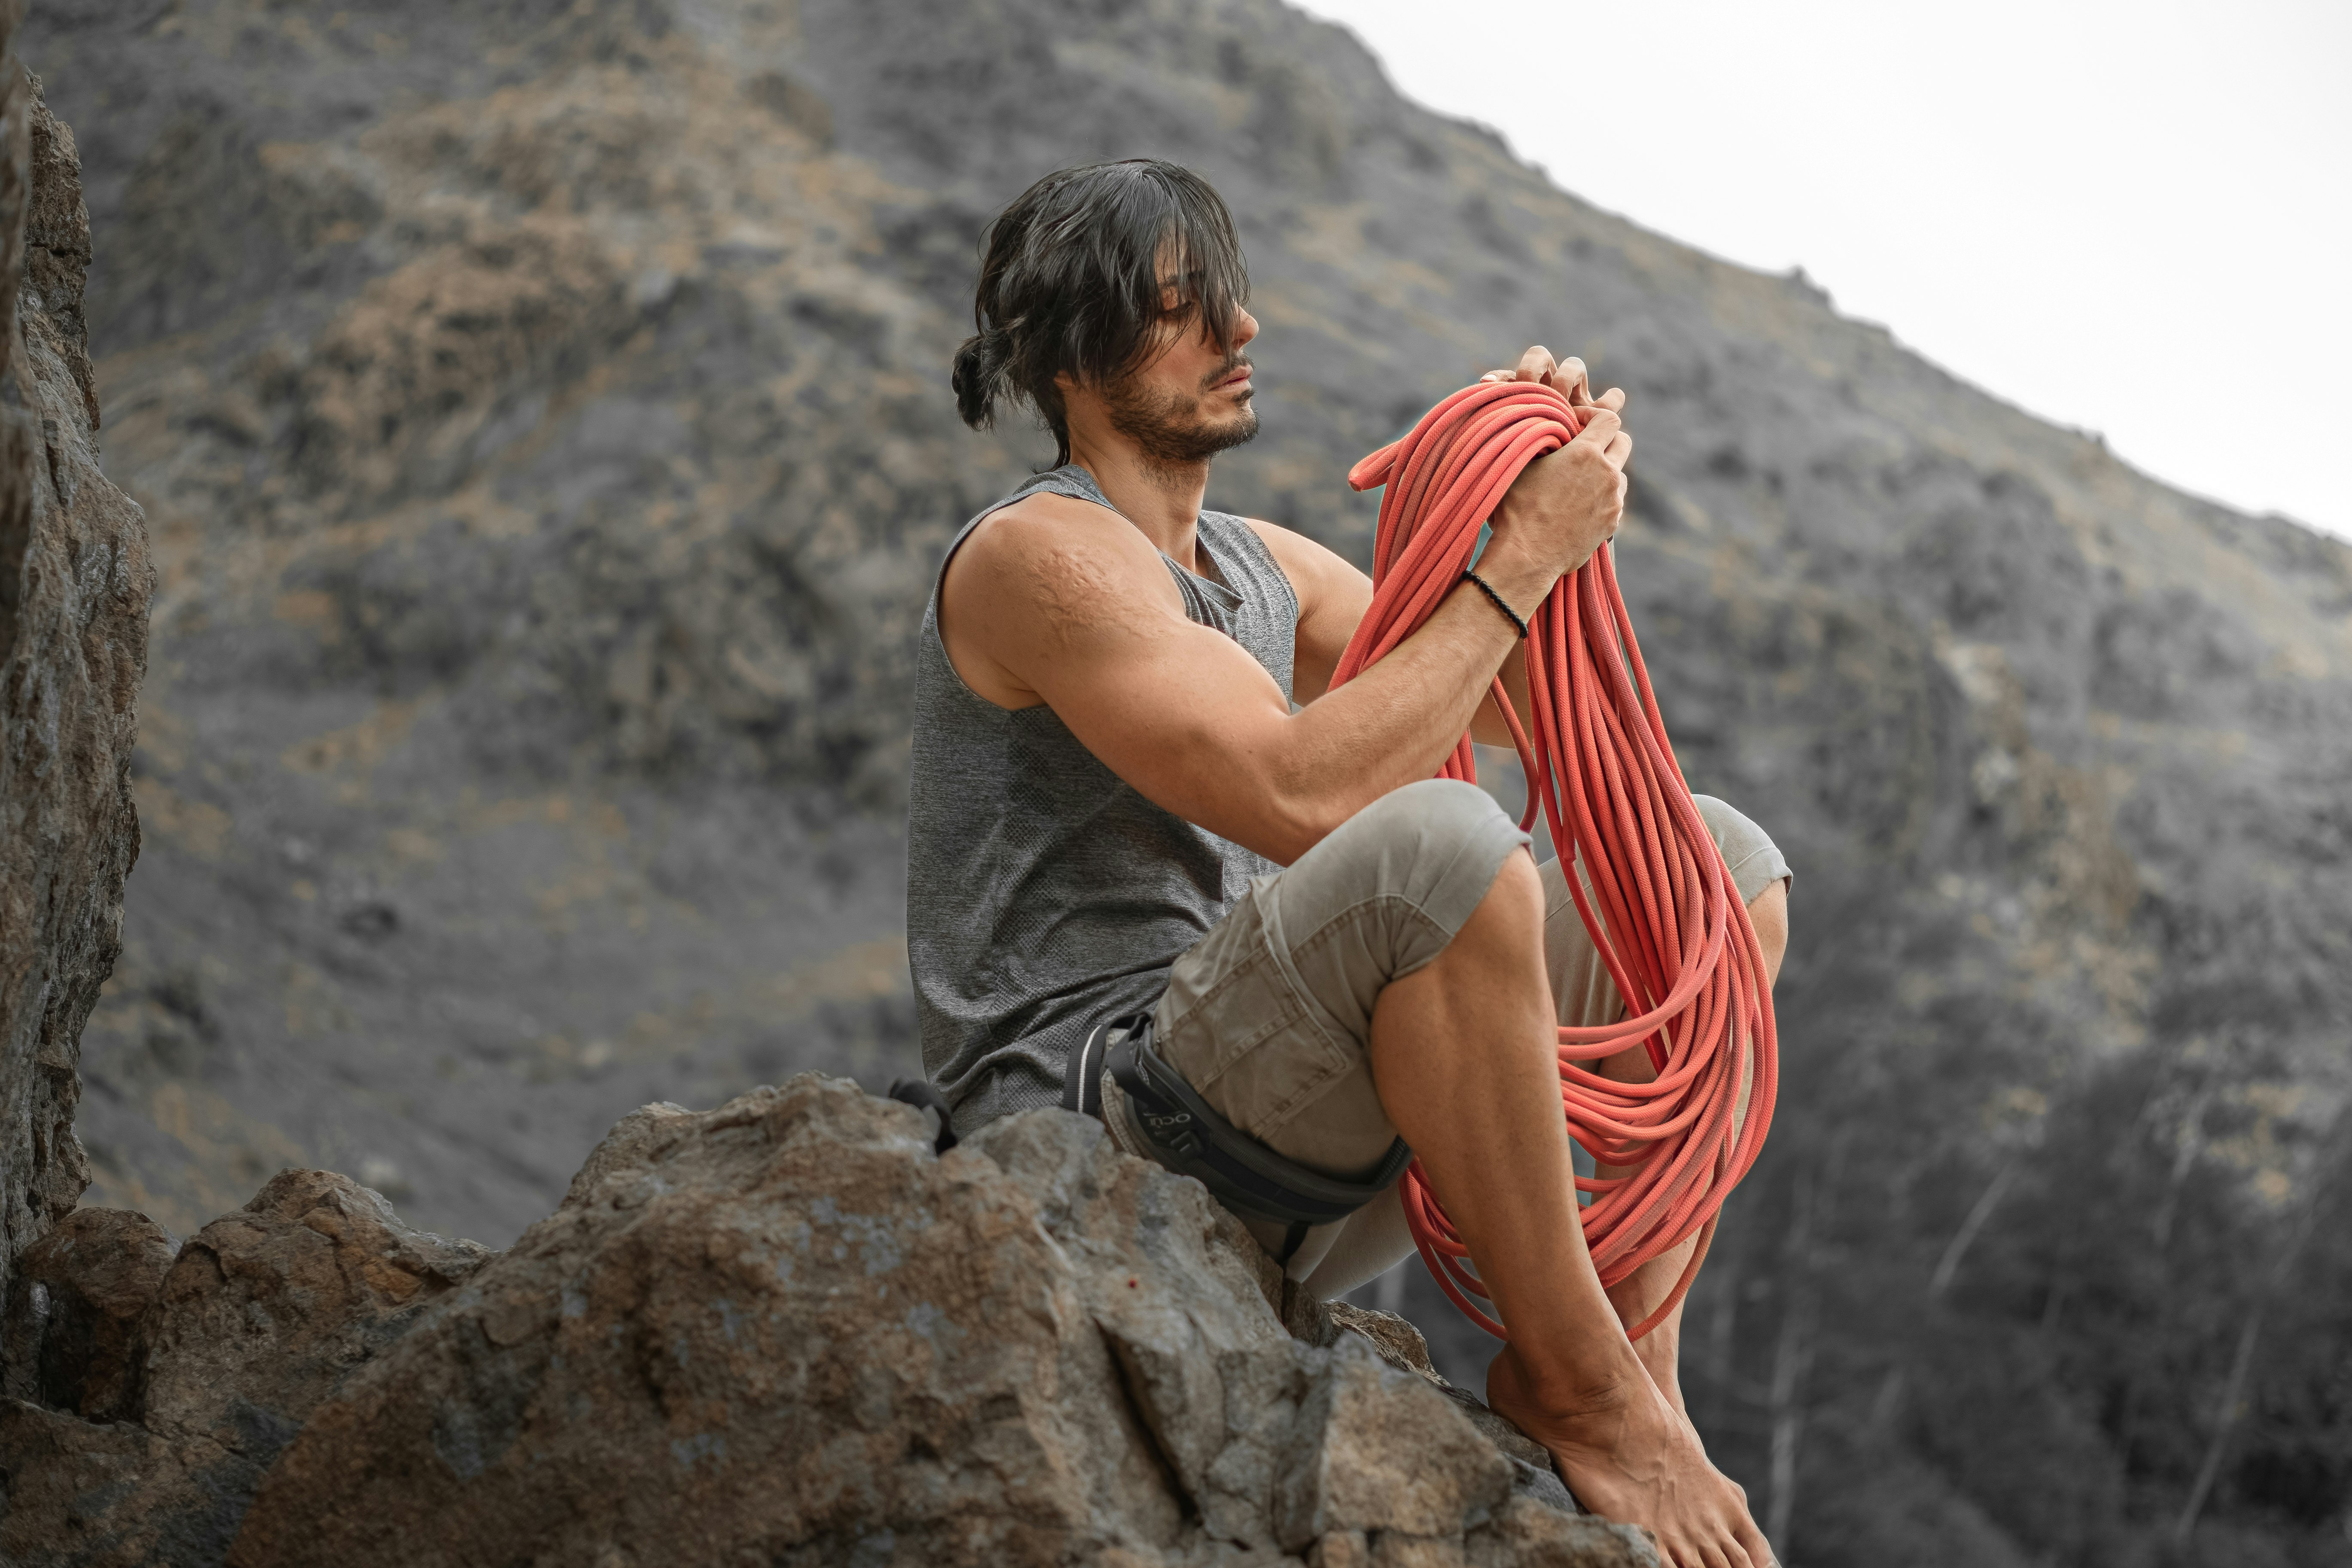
(1395, 723)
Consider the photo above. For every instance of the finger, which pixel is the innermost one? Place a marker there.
(1571, 382)
(1602, 426)
(1619, 448)
(1615, 398)
(1600, 432)
(1536, 365)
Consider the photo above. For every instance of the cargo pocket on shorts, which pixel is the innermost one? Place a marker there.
(1252, 1048)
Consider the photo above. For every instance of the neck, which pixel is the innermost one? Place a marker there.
(1161, 499)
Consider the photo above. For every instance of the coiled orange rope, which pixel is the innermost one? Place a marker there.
(1669, 923)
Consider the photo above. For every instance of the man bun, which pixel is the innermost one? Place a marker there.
(982, 375)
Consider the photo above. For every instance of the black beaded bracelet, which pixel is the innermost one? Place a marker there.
(1488, 589)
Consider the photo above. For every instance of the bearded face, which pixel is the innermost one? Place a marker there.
(1179, 423)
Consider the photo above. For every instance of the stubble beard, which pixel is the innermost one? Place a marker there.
(1170, 429)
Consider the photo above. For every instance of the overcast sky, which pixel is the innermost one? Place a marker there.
(2136, 218)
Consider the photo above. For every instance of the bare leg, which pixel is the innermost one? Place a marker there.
(1637, 1295)
(1463, 1053)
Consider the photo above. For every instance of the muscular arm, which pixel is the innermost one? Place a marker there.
(1332, 598)
(1059, 599)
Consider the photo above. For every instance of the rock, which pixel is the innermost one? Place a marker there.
(783, 1331)
(1533, 1475)
(157, 1391)
(787, 1331)
(72, 1330)
(74, 586)
(101, 1495)
(1399, 1343)
(265, 1309)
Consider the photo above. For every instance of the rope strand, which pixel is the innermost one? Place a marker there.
(1662, 909)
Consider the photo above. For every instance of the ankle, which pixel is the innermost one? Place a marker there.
(1565, 1390)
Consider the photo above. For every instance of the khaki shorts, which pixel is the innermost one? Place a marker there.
(1270, 1014)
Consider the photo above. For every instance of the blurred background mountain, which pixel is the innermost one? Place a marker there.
(541, 411)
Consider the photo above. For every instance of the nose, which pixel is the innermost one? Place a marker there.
(1244, 327)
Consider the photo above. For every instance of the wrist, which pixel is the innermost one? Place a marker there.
(1512, 572)
(1501, 605)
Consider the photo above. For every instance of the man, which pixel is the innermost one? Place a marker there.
(1134, 792)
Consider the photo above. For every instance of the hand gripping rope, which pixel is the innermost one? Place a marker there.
(1670, 925)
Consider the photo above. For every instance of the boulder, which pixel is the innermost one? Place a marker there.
(150, 1392)
(267, 1308)
(70, 1337)
(787, 1331)
(783, 1331)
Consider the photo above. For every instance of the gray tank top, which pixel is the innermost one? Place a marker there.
(1045, 895)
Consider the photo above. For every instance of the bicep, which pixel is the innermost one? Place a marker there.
(1180, 712)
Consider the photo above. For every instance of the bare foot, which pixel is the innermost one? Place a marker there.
(1633, 1459)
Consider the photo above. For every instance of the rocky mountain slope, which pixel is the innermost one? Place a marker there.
(541, 411)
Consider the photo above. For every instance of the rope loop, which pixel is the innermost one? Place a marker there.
(1659, 906)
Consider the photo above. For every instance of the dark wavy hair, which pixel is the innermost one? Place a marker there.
(1071, 280)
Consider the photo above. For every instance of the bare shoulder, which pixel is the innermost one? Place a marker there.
(1053, 564)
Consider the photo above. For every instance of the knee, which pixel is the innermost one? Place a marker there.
(1437, 845)
(1438, 810)
(1453, 832)
(1518, 891)
(1755, 862)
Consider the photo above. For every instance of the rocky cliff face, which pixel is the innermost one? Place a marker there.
(780, 1331)
(74, 583)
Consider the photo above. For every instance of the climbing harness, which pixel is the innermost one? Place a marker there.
(1192, 1139)
(1669, 924)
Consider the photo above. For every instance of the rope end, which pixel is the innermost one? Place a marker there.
(1372, 472)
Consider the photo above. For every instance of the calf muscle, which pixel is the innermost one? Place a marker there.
(1463, 1057)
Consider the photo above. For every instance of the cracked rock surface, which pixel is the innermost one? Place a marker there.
(151, 1385)
(781, 1331)
(74, 587)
